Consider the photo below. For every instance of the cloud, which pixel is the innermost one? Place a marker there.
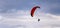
(0, 17)
(15, 20)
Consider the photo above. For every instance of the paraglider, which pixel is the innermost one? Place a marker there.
(33, 10)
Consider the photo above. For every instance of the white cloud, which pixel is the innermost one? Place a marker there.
(0, 17)
(15, 20)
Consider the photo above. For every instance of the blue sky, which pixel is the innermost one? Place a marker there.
(49, 6)
(16, 14)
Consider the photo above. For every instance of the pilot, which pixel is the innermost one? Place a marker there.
(38, 20)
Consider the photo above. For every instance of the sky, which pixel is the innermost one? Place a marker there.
(16, 14)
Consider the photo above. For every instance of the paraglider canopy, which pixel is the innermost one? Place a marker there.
(33, 10)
